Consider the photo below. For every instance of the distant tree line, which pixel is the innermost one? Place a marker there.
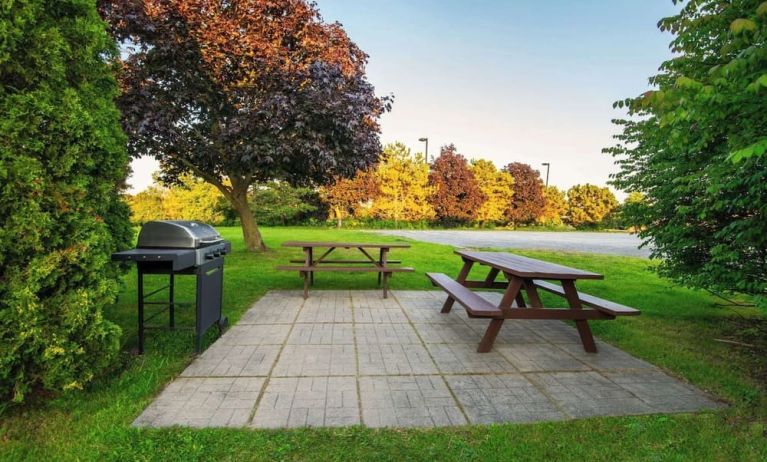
(402, 189)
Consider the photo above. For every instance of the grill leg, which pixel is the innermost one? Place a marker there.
(140, 312)
(171, 303)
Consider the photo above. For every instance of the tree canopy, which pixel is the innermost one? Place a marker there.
(703, 215)
(347, 196)
(497, 188)
(555, 208)
(402, 186)
(62, 168)
(455, 195)
(244, 91)
(588, 204)
(528, 200)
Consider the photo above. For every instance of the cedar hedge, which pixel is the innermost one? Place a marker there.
(62, 166)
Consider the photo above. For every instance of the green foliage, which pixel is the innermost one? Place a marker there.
(695, 147)
(62, 165)
(279, 203)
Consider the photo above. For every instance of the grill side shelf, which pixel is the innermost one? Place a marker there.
(180, 258)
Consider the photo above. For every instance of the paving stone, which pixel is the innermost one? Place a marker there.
(464, 359)
(280, 308)
(418, 294)
(588, 394)
(254, 334)
(662, 392)
(447, 333)
(402, 401)
(314, 354)
(385, 334)
(203, 402)
(554, 331)
(394, 360)
(379, 316)
(502, 398)
(308, 401)
(326, 309)
(321, 334)
(512, 332)
(428, 311)
(607, 357)
(316, 360)
(221, 360)
(373, 299)
(540, 357)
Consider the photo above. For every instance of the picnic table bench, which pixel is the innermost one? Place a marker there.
(528, 275)
(310, 265)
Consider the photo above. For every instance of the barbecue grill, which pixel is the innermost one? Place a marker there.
(180, 247)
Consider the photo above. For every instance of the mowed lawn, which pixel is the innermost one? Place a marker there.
(677, 331)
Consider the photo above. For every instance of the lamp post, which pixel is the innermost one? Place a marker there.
(426, 151)
(547, 172)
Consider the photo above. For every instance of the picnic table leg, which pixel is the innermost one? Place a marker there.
(571, 294)
(385, 276)
(310, 259)
(518, 298)
(532, 294)
(486, 344)
(448, 305)
(491, 275)
(380, 261)
(306, 284)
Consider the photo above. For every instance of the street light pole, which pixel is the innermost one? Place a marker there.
(426, 153)
(547, 172)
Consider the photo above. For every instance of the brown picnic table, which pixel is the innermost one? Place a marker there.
(370, 263)
(525, 275)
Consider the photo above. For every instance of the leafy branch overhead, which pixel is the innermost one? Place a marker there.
(244, 91)
(695, 146)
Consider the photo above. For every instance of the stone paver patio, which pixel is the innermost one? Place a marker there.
(351, 357)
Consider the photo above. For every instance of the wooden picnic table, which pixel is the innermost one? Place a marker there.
(526, 275)
(380, 265)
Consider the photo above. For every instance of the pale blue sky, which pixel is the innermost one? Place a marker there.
(516, 80)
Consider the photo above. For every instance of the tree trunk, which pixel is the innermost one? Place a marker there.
(250, 232)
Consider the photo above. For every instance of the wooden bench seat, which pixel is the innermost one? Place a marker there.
(369, 269)
(475, 305)
(605, 306)
(349, 262)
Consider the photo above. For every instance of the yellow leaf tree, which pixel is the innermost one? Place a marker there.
(147, 205)
(402, 183)
(193, 199)
(555, 208)
(496, 185)
(588, 204)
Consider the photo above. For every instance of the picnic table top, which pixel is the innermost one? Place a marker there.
(525, 267)
(371, 245)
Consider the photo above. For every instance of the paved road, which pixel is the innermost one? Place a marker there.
(606, 243)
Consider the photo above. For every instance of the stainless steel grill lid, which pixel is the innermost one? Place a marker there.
(178, 234)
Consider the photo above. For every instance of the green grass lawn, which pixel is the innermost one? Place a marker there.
(676, 331)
